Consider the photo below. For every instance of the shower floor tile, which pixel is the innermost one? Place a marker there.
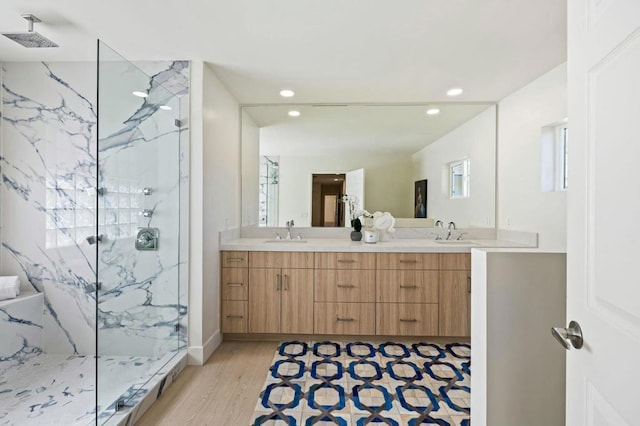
(61, 389)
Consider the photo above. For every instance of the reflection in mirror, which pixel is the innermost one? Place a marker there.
(381, 150)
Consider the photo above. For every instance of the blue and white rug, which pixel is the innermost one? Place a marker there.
(360, 383)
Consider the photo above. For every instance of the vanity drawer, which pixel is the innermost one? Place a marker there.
(235, 259)
(345, 260)
(281, 259)
(336, 285)
(407, 286)
(407, 260)
(455, 261)
(234, 316)
(344, 318)
(407, 319)
(235, 284)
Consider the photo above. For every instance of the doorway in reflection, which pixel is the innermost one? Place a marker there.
(327, 209)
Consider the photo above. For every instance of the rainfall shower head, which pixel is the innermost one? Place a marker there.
(30, 38)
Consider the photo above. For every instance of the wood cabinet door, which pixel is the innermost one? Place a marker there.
(335, 285)
(455, 261)
(406, 319)
(235, 283)
(455, 303)
(297, 301)
(234, 316)
(345, 318)
(235, 259)
(265, 286)
(400, 286)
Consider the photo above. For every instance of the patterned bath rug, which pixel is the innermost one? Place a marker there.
(361, 383)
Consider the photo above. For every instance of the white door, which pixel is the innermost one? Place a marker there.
(354, 187)
(603, 244)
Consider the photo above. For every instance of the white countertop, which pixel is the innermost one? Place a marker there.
(405, 245)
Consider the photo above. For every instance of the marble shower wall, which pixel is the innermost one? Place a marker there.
(48, 161)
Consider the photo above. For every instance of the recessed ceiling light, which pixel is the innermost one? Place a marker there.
(454, 92)
(433, 111)
(165, 107)
(336, 180)
(294, 113)
(140, 94)
(286, 93)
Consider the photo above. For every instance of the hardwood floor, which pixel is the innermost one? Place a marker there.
(223, 392)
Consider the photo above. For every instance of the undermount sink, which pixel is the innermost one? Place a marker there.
(467, 242)
(285, 241)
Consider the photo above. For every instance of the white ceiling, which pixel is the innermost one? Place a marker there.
(327, 51)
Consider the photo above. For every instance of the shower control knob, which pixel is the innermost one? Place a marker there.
(147, 212)
(147, 191)
(92, 239)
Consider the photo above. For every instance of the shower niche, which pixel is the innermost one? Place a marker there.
(86, 148)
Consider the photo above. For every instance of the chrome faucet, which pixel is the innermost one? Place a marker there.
(438, 223)
(460, 236)
(451, 225)
(438, 236)
(289, 227)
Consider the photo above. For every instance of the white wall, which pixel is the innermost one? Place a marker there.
(387, 187)
(251, 168)
(215, 204)
(516, 298)
(522, 205)
(476, 139)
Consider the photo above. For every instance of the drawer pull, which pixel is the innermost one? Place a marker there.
(469, 281)
(235, 284)
(408, 320)
(235, 259)
(408, 261)
(346, 261)
(235, 316)
(346, 286)
(345, 319)
(408, 286)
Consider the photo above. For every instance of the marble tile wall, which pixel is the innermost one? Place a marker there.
(20, 329)
(49, 165)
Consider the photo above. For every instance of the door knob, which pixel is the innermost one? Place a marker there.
(571, 334)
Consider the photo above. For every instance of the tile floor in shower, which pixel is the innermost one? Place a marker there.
(61, 389)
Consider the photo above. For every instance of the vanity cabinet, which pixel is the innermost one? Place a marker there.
(234, 286)
(387, 294)
(455, 294)
(280, 292)
(344, 296)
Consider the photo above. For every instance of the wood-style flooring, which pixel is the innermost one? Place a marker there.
(223, 392)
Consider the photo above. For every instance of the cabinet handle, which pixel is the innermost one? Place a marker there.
(408, 261)
(235, 259)
(408, 320)
(345, 319)
(408, 286)
(235, 284)
(286, 282)
(346, 286)
(278, 282)
(469, 282)
(235, 316)
(346, 261)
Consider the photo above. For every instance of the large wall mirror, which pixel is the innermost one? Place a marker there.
(298, 161)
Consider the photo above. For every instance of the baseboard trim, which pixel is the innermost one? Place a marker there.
(198, 355)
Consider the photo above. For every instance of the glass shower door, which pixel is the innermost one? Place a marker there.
(138, 223)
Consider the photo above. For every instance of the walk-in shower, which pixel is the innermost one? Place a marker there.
(91, 208)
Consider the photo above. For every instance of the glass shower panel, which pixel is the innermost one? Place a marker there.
(138, 222)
